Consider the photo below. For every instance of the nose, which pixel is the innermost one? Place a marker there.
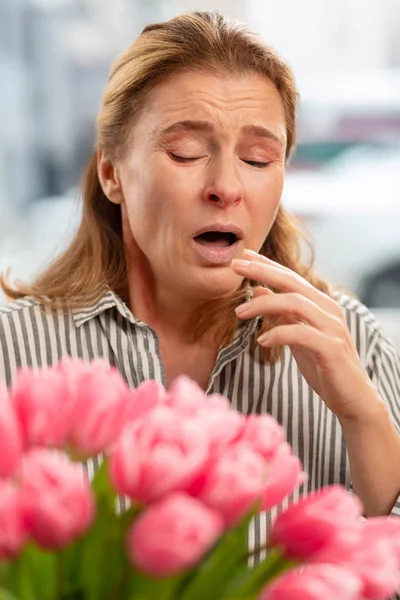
(225, 187)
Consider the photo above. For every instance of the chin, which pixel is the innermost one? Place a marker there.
(217, 283)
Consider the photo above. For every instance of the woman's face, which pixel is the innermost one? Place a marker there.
(202, 179)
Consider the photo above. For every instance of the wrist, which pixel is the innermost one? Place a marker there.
(371, 411)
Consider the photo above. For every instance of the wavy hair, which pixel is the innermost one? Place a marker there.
(205, 41)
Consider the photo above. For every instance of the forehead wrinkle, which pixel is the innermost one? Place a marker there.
(197, 111)
(254, 90)
(202, 101)
(160, 134)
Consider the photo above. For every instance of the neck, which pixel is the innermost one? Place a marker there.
(172, 314)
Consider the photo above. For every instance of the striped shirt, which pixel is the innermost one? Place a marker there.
(34, 336)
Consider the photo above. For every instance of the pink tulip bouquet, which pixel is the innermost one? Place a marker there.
(165, 515)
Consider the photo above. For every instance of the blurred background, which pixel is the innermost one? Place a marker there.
(343, 181)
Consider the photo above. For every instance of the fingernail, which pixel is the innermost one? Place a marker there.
(242, 309)
(251, 253)
(239, 263)
(263, 338)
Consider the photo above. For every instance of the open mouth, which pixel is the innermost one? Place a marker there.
(217, 239)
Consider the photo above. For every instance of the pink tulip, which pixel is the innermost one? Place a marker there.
(12, 527)
(56, 498)
(159, 454)
(41, 403)
(172, 535)
(234, 482)
(284, 474)
(144, 398)
(377, 557)
(222, 422)
(10, 437)
(264, 434)
(99, 400)
(314, 582)
(186, 396)
(322, 527)
(217, 402)
(224, 427)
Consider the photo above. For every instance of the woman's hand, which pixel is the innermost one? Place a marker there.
(313, 326)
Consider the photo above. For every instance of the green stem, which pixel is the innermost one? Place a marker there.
(253, 580)
(121, 586)
(59, 575)
(143, 587)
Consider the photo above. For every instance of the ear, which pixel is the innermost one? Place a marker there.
(110, 182)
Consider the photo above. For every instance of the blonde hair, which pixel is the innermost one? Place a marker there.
(199, 41)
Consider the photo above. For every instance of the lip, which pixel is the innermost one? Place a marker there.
(217, 256)
(224, 227)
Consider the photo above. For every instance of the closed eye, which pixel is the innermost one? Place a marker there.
(183, 159)
(189, 159)
(257, 164)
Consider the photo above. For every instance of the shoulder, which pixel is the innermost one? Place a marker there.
(357, 315)
(17, 305)
(25, 310)
(17, 310)
(31, 335)
(368, 334)
(356, 312)
(377, 352)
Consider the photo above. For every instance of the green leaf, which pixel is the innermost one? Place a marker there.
(142, 587)
(253, 580)
(69, 564)
(102, 488)
(99, 550)
(33, 574)
(6, 595)
(104, 567)
(218, 568)
(4, 570)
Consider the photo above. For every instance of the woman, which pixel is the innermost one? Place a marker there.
(185, 262)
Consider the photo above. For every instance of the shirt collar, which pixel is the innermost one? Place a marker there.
(106, 301)
(110, 300)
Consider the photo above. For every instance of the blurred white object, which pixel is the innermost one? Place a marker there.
(361, 180)
(352, 210)
(376, 91)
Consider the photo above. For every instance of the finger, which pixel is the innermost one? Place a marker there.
(292, 306)
(272, 321)
(298, 335)
(251, 255)
(284, 320)
(280, 319)
(285, 280)
(262, 291)
(254, 256)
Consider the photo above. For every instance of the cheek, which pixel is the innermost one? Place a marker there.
(264, 203)
(143, 198)
(266, 193)
(154, 206)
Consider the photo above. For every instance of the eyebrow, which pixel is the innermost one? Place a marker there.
(260, 131)
(190, 125)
